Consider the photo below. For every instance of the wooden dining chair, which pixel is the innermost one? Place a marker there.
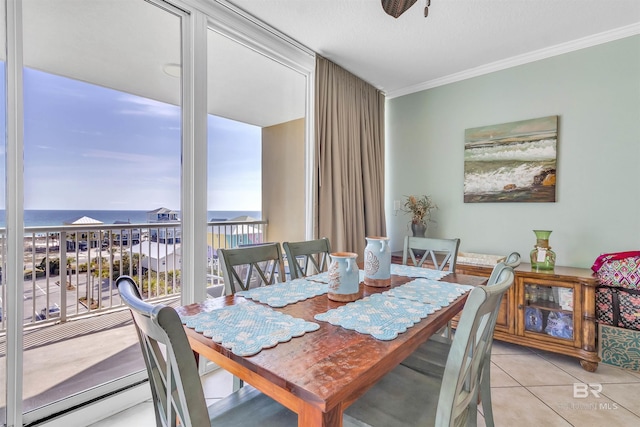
(176, 389)
(407, 397)
(308, 257)
(251, 266)
(441, 252)
(431, 357)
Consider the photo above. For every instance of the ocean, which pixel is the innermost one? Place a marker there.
(42, 218)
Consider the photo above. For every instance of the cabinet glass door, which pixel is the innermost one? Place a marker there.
(549, 310)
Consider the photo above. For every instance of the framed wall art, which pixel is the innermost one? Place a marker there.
(511, 162)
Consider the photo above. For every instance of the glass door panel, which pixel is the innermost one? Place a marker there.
(102, 151)
(549, 310)
(3, 247)
(256, 149)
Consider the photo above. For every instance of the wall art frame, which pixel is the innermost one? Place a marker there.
(511, 162)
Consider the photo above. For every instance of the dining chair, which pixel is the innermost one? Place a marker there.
(308, 257)
(512, 260)
(176, 389)
(251, 266)
(431, 357)
(407, 397)
(419, 248)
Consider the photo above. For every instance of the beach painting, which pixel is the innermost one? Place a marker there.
(511, 162)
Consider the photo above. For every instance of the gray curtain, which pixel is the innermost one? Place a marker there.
(349, 203)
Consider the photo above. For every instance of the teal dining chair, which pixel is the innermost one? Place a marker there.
(431, 357)
(441, 252)
(251, 266)
(308, 257)
(176, 389)
(407, 397)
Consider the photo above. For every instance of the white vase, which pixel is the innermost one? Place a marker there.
(377, 262)
(344, 277)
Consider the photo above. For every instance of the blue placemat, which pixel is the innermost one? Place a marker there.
(411, 271)
(324, 277)
(247, 328)
(281, 294)
(428, 291)
(378, 315)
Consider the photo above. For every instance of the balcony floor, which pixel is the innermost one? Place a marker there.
(66, 358)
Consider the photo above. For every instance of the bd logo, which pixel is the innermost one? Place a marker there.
(582, 390)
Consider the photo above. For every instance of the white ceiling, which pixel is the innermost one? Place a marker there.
(126, 47)
(459, 38)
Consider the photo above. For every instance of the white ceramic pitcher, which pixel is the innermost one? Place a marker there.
(344, 280)
(377, 262)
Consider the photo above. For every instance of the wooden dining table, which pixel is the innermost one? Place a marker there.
(319, 374)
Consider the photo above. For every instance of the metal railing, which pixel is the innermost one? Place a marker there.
(70, 271)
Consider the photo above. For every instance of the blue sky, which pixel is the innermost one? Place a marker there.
(88, 147)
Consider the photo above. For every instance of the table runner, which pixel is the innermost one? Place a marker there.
(247, 328)
(378, 315)
(411, 271)
(428, 291)
(281, 294)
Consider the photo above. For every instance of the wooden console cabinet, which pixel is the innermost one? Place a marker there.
(562, 297)
(548, 310)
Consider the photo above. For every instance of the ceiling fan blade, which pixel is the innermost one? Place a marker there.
(396, 8)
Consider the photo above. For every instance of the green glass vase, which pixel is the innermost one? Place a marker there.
(542, 257)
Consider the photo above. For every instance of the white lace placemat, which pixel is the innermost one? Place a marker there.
(412, 271)
(429, 291)
(247, 328)
(281, 294)
(378, 315)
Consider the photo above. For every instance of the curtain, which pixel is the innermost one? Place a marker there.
(349, 198)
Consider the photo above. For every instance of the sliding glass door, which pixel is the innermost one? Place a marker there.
(256, 144)
(3, 225)
(102, 151)
(113, 152)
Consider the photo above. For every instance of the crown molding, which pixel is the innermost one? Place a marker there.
(593, 40)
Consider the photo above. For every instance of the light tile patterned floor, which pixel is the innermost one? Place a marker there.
(529, 388)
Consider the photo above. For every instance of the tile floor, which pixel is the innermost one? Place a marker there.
(529, 388)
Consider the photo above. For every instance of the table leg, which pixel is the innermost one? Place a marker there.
(312, 416)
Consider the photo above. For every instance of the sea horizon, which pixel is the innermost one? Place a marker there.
(54, 217)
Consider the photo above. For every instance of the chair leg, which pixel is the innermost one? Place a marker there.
(485, 395)
(449, 332)
(237, 383)
(473, 412)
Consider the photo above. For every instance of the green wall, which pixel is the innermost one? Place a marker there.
(595, 92)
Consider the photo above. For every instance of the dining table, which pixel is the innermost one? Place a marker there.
(320, 373)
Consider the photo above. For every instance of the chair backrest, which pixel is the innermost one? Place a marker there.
(468, 355)
(251, 266)
(513, 260)
(171, 365)
(307, 258)
(423, 247)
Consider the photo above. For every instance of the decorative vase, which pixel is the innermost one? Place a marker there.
(344, 277)
(419, 229)
(377, 262)
(542, 257)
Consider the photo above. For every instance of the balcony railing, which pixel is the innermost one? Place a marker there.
(70, 271)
